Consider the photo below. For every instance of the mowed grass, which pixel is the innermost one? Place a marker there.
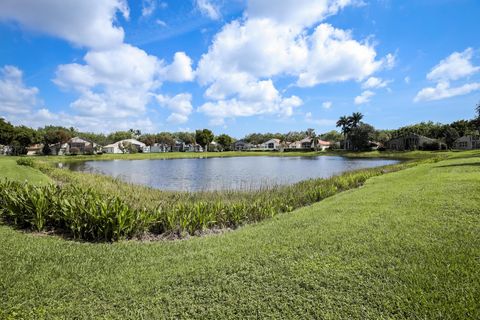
(10, 170)
(405, 245)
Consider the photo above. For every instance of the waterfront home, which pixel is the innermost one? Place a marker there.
(193, 147)
(78, 145)
(467, 143)
(411, 141)
(35, 149)
(272, 144)
(59, 149)
(123, 146)
(323, 145)
(242, 145)
(160, 147)
(75, 145)
(179, 146)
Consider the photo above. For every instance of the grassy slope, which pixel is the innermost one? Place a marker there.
(9, 169)
(406, 244)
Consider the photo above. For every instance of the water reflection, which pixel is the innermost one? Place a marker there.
(245, 173)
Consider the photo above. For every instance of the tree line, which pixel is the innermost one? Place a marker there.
(357, 131)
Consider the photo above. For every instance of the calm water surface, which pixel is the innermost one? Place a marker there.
(225, 173)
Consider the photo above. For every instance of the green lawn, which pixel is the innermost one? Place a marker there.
(405, 245)
(9, 169)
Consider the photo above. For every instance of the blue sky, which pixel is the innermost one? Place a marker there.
(237, 66)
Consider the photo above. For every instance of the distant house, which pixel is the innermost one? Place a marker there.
(467, 143)
(35, 149)
(323, 145)
(160, 147)
(119, 146)
(294, 145)
(242, 145)
(272, 144)
(75, 145)
(59, 149)
(410, 142)
(78, 145)
(179, 146)
(193, 147)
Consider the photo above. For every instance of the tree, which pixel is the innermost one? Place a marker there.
(344, 124)
(355, 119)
(118, 136)
(310, 133)
(135, 133)
(6, 132)
(477, 109)
(332, 136)
(165, 138)
(148, 139)
(53, 135)
(361, 136)
(225, 141)
(187, 137)
(23, 137)
(204, 138)
(127, 147)
(450, 136)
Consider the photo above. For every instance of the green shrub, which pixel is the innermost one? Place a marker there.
(25, 162)
(83, 212)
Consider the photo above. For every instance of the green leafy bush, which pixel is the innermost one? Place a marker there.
(25, 162)
(82, 212)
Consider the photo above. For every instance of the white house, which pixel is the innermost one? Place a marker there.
(323, 145)
(35, 149)
(160, 147)
(119, 146)
(272, 144)
(304, 144)
(467, 143)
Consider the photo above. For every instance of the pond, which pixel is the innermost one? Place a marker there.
(239, 173)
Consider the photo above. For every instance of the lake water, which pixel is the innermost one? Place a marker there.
(225, 173)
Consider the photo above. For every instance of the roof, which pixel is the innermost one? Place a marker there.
(132, 141)
(307, 139)
(323, 142)
(272, 140)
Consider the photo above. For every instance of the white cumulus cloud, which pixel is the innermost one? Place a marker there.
(443, 90)
(15, 96)
(89, 23)
(274, 39)
(181, 68)
(327, 104)
(209, 9)
(364, 97)
(456, 66)
(180, 105)
(374, 83)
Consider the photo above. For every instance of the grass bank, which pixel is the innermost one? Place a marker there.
(406, 245)
(10, 170)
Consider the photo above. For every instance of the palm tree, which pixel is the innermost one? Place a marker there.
(344, 122)
(355, 119)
